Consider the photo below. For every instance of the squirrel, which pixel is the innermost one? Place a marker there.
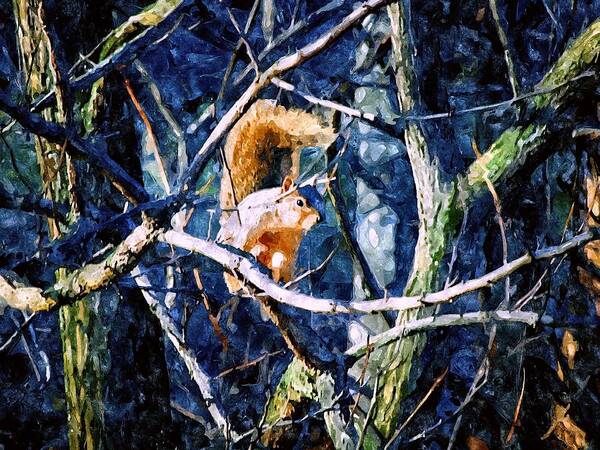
(262, 211)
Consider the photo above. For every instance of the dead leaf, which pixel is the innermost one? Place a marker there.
(565, 429)
(474, 443)
(559, 371)
(589, 281)
(569, 348)
(592, 252)
(480, 14)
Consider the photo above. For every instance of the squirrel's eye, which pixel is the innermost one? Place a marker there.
(300, 203)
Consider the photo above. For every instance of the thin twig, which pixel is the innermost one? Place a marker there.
(361, 381)
(517, 410)
(512, 76)
(214, 321)
(152, 141)
(28, 351)
(320, 267)
(480, 380)
(498, 206)
(504, 103)
(370, 412)
(243, 39)
(249, 363)
(446, 320)
(312, 19)
(235, 54)
(182, 159)
(433, 387)
(12, 340)
(455, 429)
(352, 112)
(187, 413)
(188, 356)
(286, 423)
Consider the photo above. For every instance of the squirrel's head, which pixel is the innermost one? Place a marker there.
(302, 207)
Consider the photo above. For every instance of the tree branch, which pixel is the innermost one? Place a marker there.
(91, 277)
(429, 323)
(279, 68)
(94, 151)
(143, 30)
(248, 270)
(313, 19)
(187, 355)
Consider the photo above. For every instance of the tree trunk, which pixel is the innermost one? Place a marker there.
(83, 336)
(441, 206)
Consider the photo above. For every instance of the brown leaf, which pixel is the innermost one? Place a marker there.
(565, 429)
(559, 371)
(592, 252)
(480, 14)
(589, 281)
(569, 348)
(474, 443)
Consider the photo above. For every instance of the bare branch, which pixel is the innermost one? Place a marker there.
(369, 416)
(92, 277)
(512, 76)
(152, 141)
(12, 340)
(129, 51)
(279, 68)
(538, 91)
(447, 320)
(238, 47)
(249, 271)
(431, 390)
(177, 132)
(94, 151)
(312, 19)
(353, 112)
(187, 355)
(23, 298)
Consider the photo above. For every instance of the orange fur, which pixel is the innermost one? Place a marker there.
(265, 132)
(262, 151)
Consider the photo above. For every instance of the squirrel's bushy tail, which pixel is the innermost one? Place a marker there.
(263, 148)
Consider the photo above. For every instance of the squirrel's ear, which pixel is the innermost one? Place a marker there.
(287, 184)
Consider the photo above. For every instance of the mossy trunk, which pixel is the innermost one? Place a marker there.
(437, 221)
(441, 206)
(83, 336)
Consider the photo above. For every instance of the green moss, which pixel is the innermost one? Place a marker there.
(297, 383)
(116, 40)
(582, 55)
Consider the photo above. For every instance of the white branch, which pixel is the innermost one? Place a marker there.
(447, 320)
(352, 112)
(200, 377)
(249, 271)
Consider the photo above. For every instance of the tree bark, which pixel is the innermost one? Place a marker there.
(82, 334)
(441, 206)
